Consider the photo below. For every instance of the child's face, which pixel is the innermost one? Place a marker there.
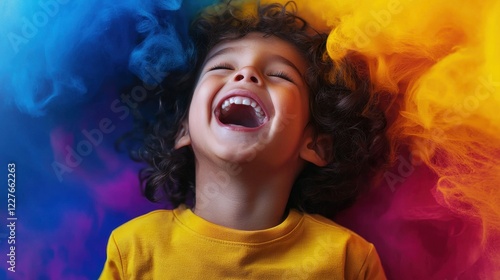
(250, 103)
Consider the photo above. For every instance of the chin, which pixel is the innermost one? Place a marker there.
(238, 155)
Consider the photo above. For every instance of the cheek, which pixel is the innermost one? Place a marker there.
(206, 89)
(200, 103)
(294, 106)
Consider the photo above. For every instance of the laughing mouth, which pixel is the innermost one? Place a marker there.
(242, 111)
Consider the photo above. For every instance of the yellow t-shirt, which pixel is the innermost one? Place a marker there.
(177, 244)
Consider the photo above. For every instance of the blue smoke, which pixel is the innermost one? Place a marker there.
(63, 65)
(58, 52)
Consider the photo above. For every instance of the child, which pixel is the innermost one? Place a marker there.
(265, 135)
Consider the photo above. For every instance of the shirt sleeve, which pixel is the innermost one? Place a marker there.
(372, 267)
(113, 267)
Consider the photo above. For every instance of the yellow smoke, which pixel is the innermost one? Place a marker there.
(439, 61)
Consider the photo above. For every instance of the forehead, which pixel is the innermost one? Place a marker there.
(259, 44)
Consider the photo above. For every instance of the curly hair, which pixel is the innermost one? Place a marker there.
(340, 104)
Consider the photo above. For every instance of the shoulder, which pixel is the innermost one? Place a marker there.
(147, 224)
(132, 246)
(360, 258)
(139, 237)
(326, 226)
(153, 216)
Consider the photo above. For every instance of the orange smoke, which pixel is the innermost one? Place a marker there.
(441, 65)
(438, 61)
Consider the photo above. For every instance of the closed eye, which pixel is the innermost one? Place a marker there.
(222, 66)
(282, 75)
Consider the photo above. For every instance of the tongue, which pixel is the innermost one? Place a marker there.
(241, 115)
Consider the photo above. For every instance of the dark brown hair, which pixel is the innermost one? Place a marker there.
(340, 103)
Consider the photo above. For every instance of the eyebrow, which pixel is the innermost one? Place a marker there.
(220, 52)
(272, 57)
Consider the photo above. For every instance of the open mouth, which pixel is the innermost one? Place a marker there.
(241, 111)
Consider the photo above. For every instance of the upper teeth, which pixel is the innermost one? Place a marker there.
(240, 100)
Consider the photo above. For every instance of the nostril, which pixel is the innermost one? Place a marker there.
(249, 78)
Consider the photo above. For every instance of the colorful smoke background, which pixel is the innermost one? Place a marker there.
(77, 71)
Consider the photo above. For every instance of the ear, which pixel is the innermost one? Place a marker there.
(183, 138)
(317, 150)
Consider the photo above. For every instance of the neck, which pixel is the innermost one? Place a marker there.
(240, 199)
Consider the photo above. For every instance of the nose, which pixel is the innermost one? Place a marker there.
(247, 74)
